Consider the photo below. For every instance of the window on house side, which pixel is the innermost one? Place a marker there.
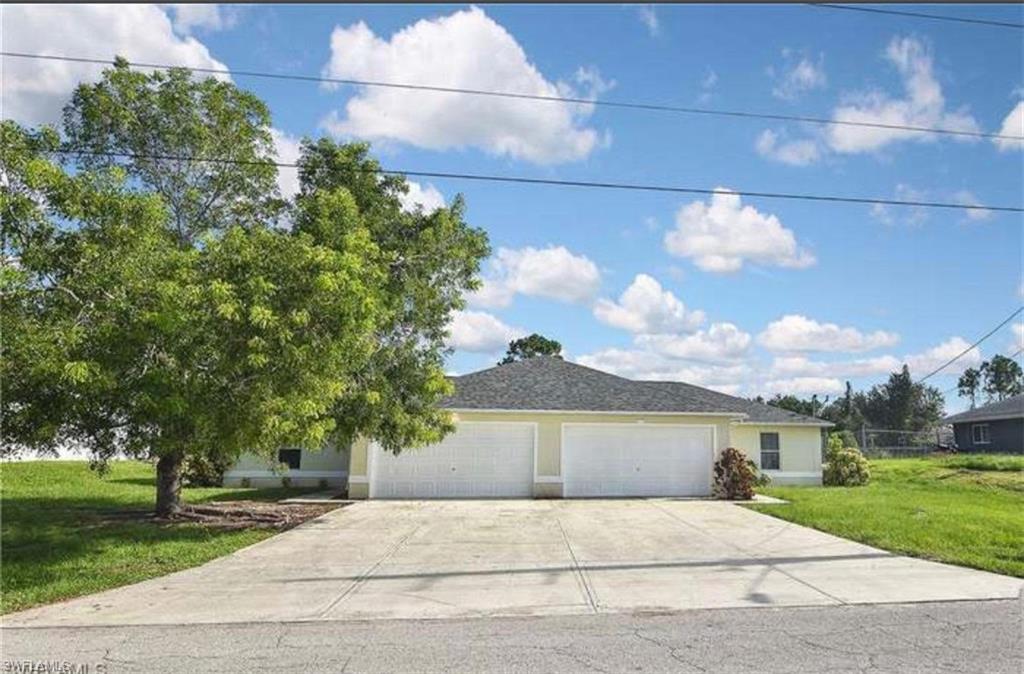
(979, 434)
(770, 457)
(290, 457)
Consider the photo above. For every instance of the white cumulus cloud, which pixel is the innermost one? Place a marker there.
(803, 386)
(922, 363)
(466, 49)
(189, 17)
(480, 331)
(798, 76)
(721, 235)
(427, 197)
(646, 307)
(923, 105)
(968, 198)
(288, 149)
(1013, 125)
(643, 364)
(794, 332)
(34, 92)
(649, 17)
(721, 342)
(773, 145)
(553, 273)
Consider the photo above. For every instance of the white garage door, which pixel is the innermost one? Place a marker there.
(477, 460)
(636, 460)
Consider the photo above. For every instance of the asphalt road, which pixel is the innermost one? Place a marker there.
(976, 636)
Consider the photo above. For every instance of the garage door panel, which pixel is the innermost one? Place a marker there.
(477, 460)
(610, 460)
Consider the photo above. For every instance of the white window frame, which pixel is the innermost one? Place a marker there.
(777, 451)
(987, 440)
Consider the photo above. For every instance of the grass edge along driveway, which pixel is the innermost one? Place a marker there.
(67, 532)
(965, 510)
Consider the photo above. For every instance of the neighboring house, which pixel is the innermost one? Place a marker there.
(996, 427)
(547, 428)
(302, 468)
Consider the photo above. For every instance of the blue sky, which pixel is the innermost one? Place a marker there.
(744, 295)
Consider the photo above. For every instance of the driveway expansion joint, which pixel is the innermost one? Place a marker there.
(581, 574)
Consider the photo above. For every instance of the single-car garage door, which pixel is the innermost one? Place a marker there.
(477, 460)
(636, 460)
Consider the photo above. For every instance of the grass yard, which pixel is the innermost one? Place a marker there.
(966, 510)
(64, 532)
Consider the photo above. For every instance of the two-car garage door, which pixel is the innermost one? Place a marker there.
(490, 459)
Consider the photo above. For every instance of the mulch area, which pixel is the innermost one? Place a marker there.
(228, 515)
(253, 514)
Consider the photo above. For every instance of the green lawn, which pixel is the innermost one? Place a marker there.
(966, 510)
(60, 537)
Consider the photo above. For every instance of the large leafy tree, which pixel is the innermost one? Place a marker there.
(1003, 378)
(530, 346)
(901, 403)
(154, 306)
(430, 260)
(968, 384)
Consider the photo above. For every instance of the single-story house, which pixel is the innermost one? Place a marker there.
(548, 428)
(996, 427)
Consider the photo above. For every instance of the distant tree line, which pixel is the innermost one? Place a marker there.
(998, 379)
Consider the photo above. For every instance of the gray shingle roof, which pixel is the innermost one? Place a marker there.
(1004, 409)
(755, 411)
(548, 383)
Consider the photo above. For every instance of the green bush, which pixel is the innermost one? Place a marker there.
(734, 476)
(840, 440)
(203, 471)
(846, 467)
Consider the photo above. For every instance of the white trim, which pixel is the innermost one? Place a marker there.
(286, 473)
(809, 424)
(714, 441)
(792, 473)
(457, 410)
(358, 479)
(548, 479)
(372, 453)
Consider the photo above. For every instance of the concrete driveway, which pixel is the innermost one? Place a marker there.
(446, 559)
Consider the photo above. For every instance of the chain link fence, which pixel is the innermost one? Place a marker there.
(887, 443)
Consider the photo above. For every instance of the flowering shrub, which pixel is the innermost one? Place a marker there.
(735, 476)
(846, 467)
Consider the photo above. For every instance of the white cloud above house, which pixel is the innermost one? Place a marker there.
(1013, 125)
(804, 386)
(553, 272)
(480, 332)
(645, 364)
(722, 235)
(721, 342)
(797, 333)
(922, 104)
(34, 92)
(646, 307)
(466, 49)
(798, 75)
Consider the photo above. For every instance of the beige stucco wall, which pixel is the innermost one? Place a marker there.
(330, 464)
(800, 445)
(799, 450)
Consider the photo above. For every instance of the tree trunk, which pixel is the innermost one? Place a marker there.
(168, 485)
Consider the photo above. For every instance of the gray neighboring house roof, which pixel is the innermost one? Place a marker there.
(547, 383)
(1011, 408)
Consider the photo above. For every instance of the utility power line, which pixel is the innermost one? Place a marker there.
(921, 15)
(651, 107)
(965, 351)
(638, 187)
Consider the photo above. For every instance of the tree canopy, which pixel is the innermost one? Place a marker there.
(999, 378)
(528, 347)
(163, 308)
